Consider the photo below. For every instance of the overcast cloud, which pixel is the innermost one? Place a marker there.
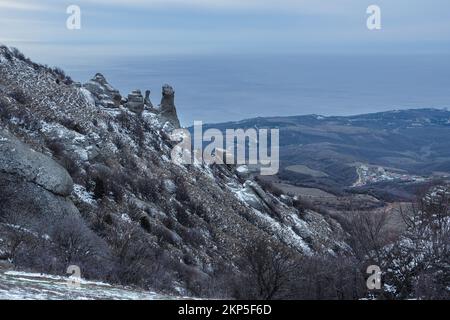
(138, 27)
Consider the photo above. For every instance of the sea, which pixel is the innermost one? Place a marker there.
(222, 88)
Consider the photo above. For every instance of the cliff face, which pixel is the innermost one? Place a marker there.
(86, 179)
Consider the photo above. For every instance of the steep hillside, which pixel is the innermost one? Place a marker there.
(86, 179)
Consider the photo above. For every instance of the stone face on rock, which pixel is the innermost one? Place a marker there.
(104, 94)
(135, 102)
(19, 160)
(167, 108)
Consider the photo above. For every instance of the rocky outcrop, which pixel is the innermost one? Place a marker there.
(104, 94)
(19, 160)
(167, 108)
(135, 102)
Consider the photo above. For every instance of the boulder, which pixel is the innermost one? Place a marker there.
(19, 160)
(24, 199)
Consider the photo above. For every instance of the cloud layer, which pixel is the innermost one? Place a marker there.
(119, 27)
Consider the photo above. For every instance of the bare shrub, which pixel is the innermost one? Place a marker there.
(149, 188)
(329, 278)
(106, 183)
(192, 236)
(302, 204)
(76, 244)
(137, 262)
(139, 134)
(124, 119)
(73, 125)
(71, 165)
(369, 234)
(165, 235)
(19, 96)
(56, 146)
(194, 278)
(145, 223)
(269, 187)
(59, 72)
(5, 109)
(16, 53)
(6, 53)
(267, 270)
(184, 217)
(182, 191)
(65, 159)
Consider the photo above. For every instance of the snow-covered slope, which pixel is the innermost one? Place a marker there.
(35, 286)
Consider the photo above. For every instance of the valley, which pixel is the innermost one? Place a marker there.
(400, 150)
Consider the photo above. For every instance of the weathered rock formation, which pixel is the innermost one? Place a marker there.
(167, 108)
(147, 102)
(104, 94)
(135, 102)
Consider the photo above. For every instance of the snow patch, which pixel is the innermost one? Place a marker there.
(88, 96)
(286, 233)
(242, 169)
(125, 217)
(83, 195)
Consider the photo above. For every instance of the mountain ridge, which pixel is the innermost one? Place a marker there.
(330, 117)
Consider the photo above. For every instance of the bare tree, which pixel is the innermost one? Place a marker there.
(331, 278)
(369, 233)
(268, 269)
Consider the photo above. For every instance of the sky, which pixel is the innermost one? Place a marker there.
(292, 56)
(118, 28)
